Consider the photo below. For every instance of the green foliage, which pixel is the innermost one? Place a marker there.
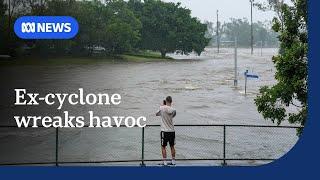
(239, 28)
(111, 26)
(123, 30)
(114, 27)
(291, 89)
(2, 25)
(271, 5)
(168, 27)
(3, 8)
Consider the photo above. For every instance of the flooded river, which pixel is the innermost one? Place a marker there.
(203, 93)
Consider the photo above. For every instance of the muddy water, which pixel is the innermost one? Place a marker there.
(202, 90)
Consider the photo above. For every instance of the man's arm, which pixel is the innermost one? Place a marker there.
(174, 113)
(158, 113)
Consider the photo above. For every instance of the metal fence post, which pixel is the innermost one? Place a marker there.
(57, 146)
(224, 146)
(142, 148)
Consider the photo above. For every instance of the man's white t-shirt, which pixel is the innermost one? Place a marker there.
(167, 114)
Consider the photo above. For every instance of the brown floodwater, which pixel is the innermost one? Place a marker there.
(202, 90)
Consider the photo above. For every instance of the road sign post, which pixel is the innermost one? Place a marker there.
(246, 76)
(245, 82)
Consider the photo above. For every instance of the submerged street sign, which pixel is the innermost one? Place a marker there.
(252, 76)
(247, 75)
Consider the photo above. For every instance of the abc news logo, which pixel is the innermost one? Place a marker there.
(46, 27)
(31, 27)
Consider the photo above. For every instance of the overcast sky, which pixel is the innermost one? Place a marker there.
(206, 9)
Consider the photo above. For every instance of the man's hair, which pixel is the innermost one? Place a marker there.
(169, 99)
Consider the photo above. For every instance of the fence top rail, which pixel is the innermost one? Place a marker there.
(181, 125)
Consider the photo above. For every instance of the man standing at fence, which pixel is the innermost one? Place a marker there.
(167, 134)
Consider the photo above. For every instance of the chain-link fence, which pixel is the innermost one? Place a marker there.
(195, 144)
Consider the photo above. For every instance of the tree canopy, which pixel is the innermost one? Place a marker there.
(114, 26)
(290, 92)
(168, 27)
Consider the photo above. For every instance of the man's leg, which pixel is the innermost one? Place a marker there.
(173, 155)
(164, 155)
(163, 148)
(172, 141)
(173, 152)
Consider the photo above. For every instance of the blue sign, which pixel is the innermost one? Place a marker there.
(250, 75)
(46, 27)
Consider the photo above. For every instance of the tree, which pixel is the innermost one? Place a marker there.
(240, 28)
(112, 27)
(35, 7)
(8, 15)
(291, 64)
(93, 18)
(272, 5)
(212, 32)
(123, 29)
(3, 8)
(168, 27)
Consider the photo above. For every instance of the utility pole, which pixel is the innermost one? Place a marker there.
(251, 1)
(261, 46)
(218, 37)
(235, 81)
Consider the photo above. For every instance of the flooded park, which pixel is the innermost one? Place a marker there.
(203, 94)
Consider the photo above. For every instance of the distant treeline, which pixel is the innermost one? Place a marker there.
(241, 29)
(109, 27)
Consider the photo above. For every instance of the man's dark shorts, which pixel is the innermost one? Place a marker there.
(167, 137)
